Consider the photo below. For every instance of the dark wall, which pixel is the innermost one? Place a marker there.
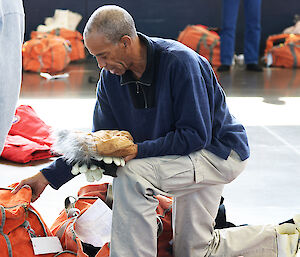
(167, 18)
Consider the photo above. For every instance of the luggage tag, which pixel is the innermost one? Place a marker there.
(44, 245)
(269, 59)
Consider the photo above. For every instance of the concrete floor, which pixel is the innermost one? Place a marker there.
(267, 103)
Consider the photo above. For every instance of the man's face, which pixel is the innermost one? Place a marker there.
(109, 56)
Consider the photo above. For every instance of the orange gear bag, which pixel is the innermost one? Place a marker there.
(64, 225)
(74, 37)
(46, 53)
(19, 223)
(203, 41)
(283, 50)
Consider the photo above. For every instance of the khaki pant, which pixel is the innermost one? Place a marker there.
(196, 182)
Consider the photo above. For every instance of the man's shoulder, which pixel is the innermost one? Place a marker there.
(173, 51)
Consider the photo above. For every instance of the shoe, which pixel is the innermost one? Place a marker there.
(223, 67)
(254, 67)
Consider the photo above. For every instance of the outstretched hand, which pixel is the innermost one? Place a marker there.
(37, 183)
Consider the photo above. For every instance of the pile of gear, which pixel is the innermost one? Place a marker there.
(54, 45)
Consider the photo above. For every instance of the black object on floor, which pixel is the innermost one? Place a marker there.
(224, 67)
(254, 67)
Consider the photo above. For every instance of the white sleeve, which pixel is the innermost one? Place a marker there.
(11, 40)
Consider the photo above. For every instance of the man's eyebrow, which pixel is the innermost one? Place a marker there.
(100, 54)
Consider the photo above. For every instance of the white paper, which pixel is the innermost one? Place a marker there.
(94, 226)
(44, 245)
(49, 77)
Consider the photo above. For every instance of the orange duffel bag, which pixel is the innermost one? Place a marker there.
(280, 39)
(283, 50)
(203, 41)
(20, 224)
(46, 53)
(286, 55)
(64, 226)
(74, 37)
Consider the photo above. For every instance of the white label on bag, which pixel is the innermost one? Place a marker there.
(269, 59)
(43, 245)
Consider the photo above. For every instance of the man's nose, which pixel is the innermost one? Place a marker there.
(101, 63)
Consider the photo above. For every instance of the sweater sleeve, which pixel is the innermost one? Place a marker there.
(58, 173)
(191, 87)
(11, 40)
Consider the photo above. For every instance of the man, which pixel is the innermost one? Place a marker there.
(230, 10)
(187, 144)
(11, 40)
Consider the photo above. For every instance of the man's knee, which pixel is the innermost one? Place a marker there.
(136, 167)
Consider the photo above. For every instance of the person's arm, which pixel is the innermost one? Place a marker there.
(11, 40)
(55, 175)
(58, 173)
(37, 184)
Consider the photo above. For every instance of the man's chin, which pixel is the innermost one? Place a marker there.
(116, 72)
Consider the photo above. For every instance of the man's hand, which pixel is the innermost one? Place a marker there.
(132, 156)
(37, 183)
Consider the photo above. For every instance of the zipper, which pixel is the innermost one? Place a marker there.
(145, 99)
(138, 87)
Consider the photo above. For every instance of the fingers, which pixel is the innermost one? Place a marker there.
(108, 159)
(95, 169)
(83, 168)
(97, 174)
(122, 162)
(75, 169)
(18, 187)
(89, 176)
(129, 157)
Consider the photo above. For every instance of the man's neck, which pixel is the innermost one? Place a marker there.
(139, 59)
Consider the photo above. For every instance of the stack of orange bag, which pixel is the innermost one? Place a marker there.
(52, 51)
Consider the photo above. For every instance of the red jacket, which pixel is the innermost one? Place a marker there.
(29, 137)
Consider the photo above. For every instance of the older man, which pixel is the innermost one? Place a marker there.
(187, 144)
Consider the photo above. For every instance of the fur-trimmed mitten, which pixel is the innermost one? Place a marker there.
(96, 153)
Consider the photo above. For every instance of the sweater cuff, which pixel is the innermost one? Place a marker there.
(141, 151)
(58, 173)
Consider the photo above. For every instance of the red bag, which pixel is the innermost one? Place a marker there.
(64, 225)
(29, 137)
(46, 53)
(21, 222)
(203, 41)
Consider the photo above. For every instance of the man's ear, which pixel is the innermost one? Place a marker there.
(125, 41)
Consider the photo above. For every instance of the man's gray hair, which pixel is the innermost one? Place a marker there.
(112, 21)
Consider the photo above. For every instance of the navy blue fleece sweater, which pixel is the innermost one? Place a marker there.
(175, 108)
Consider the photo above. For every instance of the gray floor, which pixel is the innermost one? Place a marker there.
(267, 103)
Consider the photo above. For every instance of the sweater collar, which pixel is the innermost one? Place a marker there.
(147, 76)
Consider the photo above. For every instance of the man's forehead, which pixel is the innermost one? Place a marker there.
(97, 45)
